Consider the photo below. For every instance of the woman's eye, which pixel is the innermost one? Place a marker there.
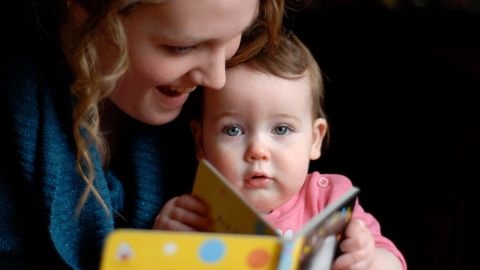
(181, 50)
(281, 130)
(232, 131)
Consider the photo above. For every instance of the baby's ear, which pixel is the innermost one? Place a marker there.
(318, 133)
(196, 128)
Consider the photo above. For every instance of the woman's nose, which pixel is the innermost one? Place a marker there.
(211, 72)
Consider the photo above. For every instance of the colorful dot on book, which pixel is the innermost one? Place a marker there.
(212, 251)
(124, 252)
(258, 258)
(170, 248)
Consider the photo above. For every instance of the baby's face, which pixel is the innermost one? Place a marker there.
(259, 132)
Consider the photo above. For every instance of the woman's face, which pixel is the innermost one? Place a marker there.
(173, 48)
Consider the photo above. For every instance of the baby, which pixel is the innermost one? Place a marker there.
(261, 131)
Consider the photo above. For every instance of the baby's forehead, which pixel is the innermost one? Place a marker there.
(245, 76)
(251, 69)
(260, 89)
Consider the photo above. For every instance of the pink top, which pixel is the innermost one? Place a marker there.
(318, 191)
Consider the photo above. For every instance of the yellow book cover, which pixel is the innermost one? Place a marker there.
(240, 238)
(229, 212)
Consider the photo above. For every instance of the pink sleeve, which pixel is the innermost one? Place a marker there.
(374, 226)
(339, 185)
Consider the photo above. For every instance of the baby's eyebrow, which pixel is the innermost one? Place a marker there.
(287, 116)
(225, 115)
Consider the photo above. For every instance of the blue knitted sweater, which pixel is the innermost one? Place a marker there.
(40, 187)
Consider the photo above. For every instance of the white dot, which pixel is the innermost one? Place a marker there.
(124, 252)
(170, 248)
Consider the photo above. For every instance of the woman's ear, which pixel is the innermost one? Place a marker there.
(318, 134)
(196, 128)
(78, 13)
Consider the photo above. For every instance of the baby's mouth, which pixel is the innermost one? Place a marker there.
(173, 92)
(257, 180)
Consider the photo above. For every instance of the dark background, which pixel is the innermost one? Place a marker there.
(401, 99)
(401, 96)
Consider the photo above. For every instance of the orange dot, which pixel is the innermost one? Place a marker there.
(258, 258)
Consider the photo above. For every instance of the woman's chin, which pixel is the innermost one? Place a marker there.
(162, 118)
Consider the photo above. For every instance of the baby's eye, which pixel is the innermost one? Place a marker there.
(282, 130)
(232, 130)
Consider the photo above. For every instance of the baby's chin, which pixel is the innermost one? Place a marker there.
(262, 200)
(264, 208)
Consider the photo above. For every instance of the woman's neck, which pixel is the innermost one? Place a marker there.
(111, 118)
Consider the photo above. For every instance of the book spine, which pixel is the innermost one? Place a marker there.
(290, 255)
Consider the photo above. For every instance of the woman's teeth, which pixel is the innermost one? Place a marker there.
(176, 91)
(186, 90)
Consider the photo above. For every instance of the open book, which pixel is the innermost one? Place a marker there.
(240, 238)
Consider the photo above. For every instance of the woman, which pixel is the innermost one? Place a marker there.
(85, 105)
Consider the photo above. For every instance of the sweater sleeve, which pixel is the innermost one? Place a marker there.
(374, 227)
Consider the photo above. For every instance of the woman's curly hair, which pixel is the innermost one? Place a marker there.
(93, 84)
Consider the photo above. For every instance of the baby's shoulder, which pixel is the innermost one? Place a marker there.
(328, 186)
(330, 180)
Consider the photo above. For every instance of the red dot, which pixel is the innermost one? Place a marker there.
(258, 258)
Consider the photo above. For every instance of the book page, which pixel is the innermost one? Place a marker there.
(134, 249)
(322, 233)
(229, 212)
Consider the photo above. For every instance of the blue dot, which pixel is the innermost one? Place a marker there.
(212, 251)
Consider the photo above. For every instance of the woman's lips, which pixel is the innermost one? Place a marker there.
(171, 98)
(174, 92)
